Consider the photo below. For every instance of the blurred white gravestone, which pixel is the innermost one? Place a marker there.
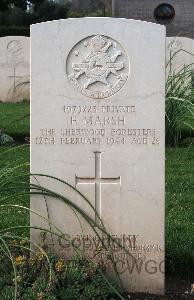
(179, 54)
(97, 122)
(14, 68)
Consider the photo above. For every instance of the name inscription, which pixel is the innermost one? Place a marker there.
(98, 125)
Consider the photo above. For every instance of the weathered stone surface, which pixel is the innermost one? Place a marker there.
(14, 68)
(180, 51)
(97, 122)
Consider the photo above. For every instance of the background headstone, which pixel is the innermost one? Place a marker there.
(181, 51)
(14, 68)
(180, 58)
(97, 122)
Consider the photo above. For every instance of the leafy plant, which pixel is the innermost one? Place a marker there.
(179, 102)
(14, 120)
(5, 139)
(76, 278)
(84, 276)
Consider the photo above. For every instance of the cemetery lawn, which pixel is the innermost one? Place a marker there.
(180, 210)
(10, 159)
(179, 203)
(14, 120)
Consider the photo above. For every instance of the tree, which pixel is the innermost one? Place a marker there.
(49, 10)
(15, 13)
(6, 4)
(36, 3)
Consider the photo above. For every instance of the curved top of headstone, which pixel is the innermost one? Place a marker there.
(14, 49)
(175, 43)
(183, 38)
(104, 38)
(15, 37)
(100, 20)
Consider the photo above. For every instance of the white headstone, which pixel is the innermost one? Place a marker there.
(97, 122)
(179, 54)
(14, 68)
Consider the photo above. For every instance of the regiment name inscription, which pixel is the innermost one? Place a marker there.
(102, 125)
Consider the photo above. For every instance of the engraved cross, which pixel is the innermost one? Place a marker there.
(98, 180)
(14, 77)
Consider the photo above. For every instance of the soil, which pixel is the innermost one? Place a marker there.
(176, 289)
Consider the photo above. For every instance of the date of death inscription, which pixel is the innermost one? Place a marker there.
(91, 125)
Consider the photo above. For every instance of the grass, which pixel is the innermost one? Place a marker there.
(14, 120)
(180, 209)
(11, 158)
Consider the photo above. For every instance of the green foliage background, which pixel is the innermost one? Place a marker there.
(15, 18)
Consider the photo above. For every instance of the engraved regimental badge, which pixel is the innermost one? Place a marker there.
(14, 51)
(98, 67)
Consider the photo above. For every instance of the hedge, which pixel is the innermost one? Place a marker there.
(14, 31)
